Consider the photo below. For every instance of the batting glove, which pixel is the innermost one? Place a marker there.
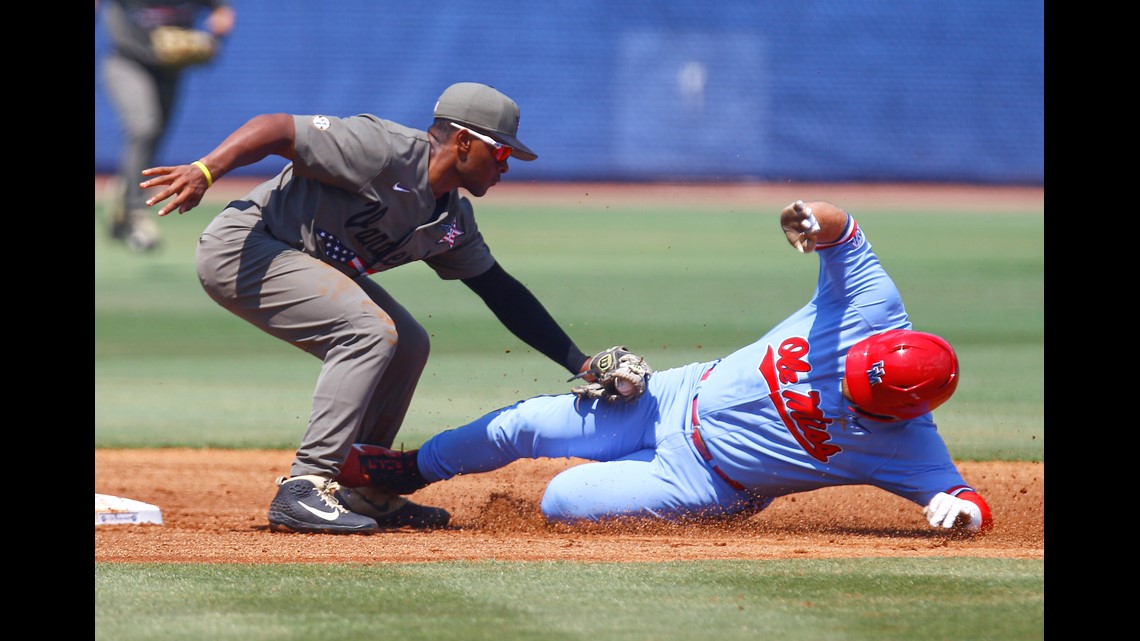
(966, 512)
(800, 226)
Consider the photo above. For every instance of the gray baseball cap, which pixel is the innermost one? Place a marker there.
(485, 109)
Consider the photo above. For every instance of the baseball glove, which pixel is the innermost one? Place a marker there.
(178, 47)
(616, 373)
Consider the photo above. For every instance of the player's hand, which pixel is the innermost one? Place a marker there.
(183, 185)
(220, 22)
(800, 226)
(949, 512)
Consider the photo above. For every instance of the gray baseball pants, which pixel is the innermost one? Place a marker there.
(144, 98)
(373, 350)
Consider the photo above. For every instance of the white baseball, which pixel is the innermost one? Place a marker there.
(624, 387)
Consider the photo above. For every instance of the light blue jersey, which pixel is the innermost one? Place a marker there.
(730, 435)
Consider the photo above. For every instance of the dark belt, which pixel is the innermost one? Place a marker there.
(703, 450)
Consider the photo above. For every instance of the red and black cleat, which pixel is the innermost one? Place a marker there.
(382, 468)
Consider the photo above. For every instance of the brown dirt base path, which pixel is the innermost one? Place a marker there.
(214, 505)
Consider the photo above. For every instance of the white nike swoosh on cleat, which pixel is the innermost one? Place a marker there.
(328, 516)
(399, 187)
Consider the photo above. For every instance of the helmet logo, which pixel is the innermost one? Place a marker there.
(876, 373)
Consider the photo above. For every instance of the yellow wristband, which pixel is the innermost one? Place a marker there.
(205, 172)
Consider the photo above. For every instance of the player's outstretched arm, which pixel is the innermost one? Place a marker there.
(805, 224)
(184, 185)
(520, 311)
(965, 512)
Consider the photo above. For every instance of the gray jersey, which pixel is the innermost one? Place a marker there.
(357, 196)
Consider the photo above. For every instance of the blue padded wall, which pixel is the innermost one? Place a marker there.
(732, 90)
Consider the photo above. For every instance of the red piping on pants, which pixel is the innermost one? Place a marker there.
(699, 443)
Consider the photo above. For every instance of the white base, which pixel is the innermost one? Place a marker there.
(115, 510)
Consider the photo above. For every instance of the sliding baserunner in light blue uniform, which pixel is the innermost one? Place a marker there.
(840, 393)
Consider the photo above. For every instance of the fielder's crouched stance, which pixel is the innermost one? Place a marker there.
(839, 393)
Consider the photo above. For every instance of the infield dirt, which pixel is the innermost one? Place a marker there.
(214, 505)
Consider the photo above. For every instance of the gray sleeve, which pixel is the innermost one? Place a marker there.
(470, 256)
(468, 260)
(346, 153)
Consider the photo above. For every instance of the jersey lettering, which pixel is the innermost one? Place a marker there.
(368, 217)
(792, 363)
(799, 412)
(382, 248)
(379, 247)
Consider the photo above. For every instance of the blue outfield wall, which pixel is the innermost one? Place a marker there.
(729, 90)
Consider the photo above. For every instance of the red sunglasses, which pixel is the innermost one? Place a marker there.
(500, 151)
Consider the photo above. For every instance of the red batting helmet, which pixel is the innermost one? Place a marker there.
(901, 373)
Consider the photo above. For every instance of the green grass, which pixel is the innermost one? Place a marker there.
(173, 369)
(848, 600)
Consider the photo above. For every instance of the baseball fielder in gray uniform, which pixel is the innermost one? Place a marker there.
(144, 92)
(361, 195)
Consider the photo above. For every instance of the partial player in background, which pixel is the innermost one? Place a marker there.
(839, 393)
(295, 256)
(153, 42)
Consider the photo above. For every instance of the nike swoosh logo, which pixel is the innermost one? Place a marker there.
(399, 187)
(328, 516)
